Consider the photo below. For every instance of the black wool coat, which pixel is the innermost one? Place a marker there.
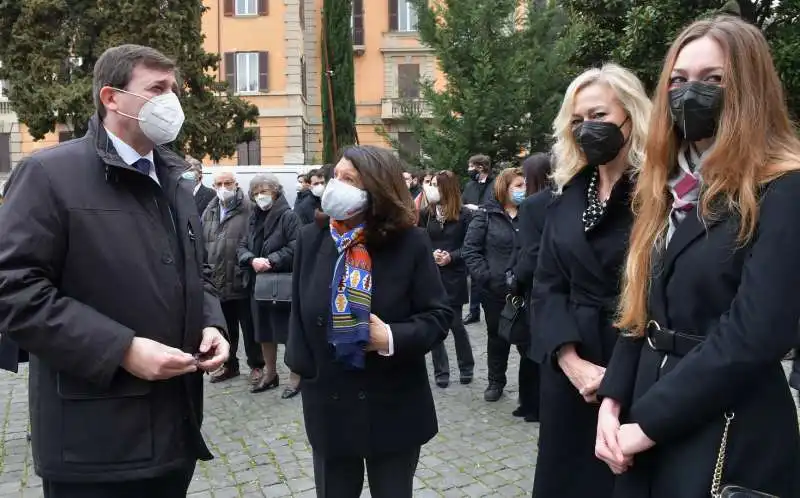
(93, 254)
(449, 236)
(388, 406)
(741, 301)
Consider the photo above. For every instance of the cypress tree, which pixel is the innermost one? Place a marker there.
(338, 79)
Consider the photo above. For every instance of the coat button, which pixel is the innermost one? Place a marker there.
(167, 259)
(362, 395)
(335, 396)
(320, 321)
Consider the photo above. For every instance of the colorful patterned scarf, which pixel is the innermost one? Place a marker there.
(351, 295)
(685, 186)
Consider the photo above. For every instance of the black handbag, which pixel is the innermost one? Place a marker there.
(513, 326)
(730, 491)
(273, 287)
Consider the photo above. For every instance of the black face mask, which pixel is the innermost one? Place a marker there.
(695, 109)
(600, 141)
(474, 175)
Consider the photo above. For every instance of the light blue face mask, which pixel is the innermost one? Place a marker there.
(189, 175)
(517, 196)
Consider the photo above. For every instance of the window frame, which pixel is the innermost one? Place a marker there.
(247, 3)
(405, 7)
(252, 73)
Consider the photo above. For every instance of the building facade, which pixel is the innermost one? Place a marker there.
(270, 54)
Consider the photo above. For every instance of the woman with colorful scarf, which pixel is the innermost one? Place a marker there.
(368, 305)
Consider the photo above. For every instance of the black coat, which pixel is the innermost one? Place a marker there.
(450, 237)
(478, 193)
(203, 198)
(304, 206)
(222, 238)
(532, 217)
(272, 235)
(94, 253)
(743, 302)
(388, 406)
(490, 249)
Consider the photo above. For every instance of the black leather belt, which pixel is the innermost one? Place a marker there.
(665, 340)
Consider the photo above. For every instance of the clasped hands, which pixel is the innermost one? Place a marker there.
(616, 444)
(442, 258)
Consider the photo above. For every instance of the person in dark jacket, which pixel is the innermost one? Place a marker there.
(446, 222)
(490, 251)
(537, 169)
(269, 247)
(710, 290)
(101, 261)
(478, 191)
(600, 132)
(308, 201)
(368, 305)
(225, 224)
(202, 194)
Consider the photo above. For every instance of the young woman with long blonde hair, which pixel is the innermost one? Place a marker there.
(709, 302)
(600, 133)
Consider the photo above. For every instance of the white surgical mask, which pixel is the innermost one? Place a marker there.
(160, 118)
(224, 194)
(189, 175)
(264, 201)
(341, 201)
(432, 194)
(299, 186)
(318, 190)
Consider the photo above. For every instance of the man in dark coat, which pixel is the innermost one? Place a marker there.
(202, 194)
(225, 224)
(477, 192)
(102, 283)
(309, 200)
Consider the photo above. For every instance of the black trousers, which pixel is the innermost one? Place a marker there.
(172, 485)
(390, 476)
(466, 361)
(474, 298)
(239, 315)
(497, 351)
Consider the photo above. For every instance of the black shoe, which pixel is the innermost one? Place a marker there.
(265, 384)
(472, 318)
(290, 392)
(532, 417)
(223, 374)
(493, 393)
(466, 379)
(519, 412)
(443, 383)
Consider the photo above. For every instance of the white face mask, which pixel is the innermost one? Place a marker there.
(189, 175)
(341, 201)
(318, 190)
(264, 201)
(160, 118)
(432, 194)
(224, 194)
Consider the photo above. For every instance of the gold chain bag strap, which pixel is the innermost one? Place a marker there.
(730, 491)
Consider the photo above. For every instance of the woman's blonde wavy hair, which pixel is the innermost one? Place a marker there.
(755, 142)
(569, 159)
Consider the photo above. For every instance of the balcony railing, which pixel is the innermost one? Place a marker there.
(397, 109)
(5, 106)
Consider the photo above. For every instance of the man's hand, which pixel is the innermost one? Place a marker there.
(378, 335)
(214, 350)
(151, 360)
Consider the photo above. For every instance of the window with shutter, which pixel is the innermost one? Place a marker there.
(409, 146)
(393, 8)
(249, 153)
(303, 78)
(357, 22)
(5, 152)
(263, 7)
(229, 66)
(228, 8)
(247, 72)
(263, 71)
(408, 81)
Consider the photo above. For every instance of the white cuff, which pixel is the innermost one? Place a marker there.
(391, 342)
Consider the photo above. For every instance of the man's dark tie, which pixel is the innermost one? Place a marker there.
(143, 165)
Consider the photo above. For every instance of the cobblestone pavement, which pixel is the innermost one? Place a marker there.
(262, 451)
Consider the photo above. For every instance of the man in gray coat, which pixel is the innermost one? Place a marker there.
(225, 224)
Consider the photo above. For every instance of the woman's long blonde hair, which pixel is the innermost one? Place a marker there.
(569, 159)
(755, 143)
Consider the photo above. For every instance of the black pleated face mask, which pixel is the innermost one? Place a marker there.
(600, 141)
(695, 109)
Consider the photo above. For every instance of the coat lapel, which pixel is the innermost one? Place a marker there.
(575, 198)
(690, 229)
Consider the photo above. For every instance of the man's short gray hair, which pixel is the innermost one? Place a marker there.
(265, 180)
(115, 67)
